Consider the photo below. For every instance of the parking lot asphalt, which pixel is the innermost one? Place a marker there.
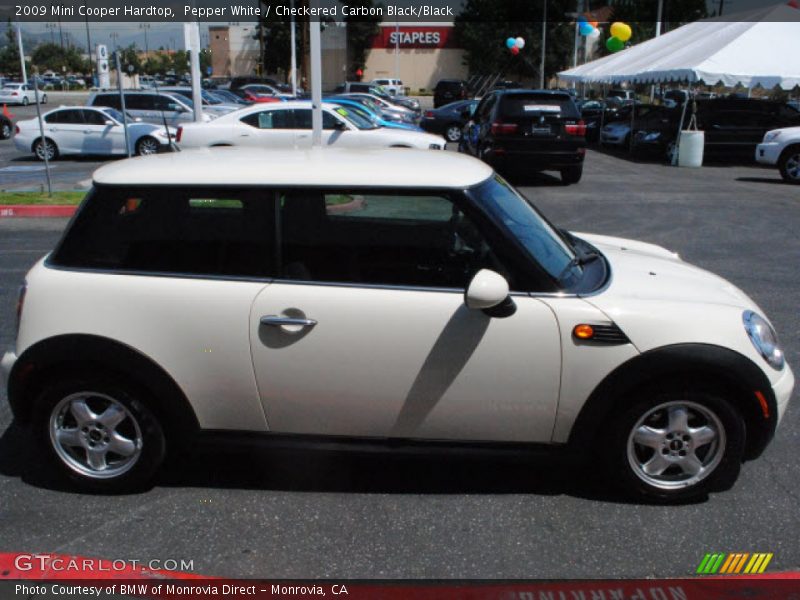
(293, 514)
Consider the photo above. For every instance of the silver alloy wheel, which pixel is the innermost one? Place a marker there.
(6, 133)
(676, 445)
(793, 166)
(39, 149)
(95, 435)
(453, 133)
(147, 146)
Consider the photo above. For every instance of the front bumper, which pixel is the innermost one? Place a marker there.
(768, 154)
(6, 364)
(783, 391)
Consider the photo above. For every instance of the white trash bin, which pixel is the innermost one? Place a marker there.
(690, 150)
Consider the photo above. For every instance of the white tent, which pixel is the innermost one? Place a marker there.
(749, 48)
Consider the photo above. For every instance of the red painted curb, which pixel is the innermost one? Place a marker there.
(37, 210)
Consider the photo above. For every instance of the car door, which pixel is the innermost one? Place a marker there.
(267, 128)
(365, 331)
(476, 128)
(65, 127)
(102, 135)
(330, 135)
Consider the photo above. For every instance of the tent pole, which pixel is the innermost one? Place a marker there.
(633, 120)
(602, 117)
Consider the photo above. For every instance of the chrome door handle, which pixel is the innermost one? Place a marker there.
(277, 321)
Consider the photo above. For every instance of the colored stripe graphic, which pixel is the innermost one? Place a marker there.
(734, 563)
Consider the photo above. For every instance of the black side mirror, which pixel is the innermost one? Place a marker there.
(340, 126)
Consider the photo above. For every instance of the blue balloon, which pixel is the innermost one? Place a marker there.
(510, 43)
(585, 28)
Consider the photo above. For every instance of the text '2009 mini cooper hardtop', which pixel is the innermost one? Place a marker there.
(382, 294)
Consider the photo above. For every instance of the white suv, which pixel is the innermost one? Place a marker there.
(781, 148)
(400, 295)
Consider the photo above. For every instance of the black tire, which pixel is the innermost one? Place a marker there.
(452, 132)
(147, 145)
(38, 149)
(24, 101)
(44, 98)
(6, 130)
(789, 165)
(720, 458)
(571, 175)
(137, 429)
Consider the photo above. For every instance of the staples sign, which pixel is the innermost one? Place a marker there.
(414, 37)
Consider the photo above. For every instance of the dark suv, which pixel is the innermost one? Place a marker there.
(449, 90)
(528, 130)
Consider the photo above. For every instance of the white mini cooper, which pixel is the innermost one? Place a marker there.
(400, 295)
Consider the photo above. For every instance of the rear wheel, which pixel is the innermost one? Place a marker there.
(453, 132)
(44, 98)
(5, 131)
(47, 147)
(571, 175)
(676, 446)
(24, 101)
(147, 145)
(789, 165)
(100, 433)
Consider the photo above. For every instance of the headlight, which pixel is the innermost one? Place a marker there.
(652, 137)
(435, 147)
(771, 136)
(764, 338)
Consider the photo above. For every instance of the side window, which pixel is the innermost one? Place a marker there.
(485, 107)
(94, 117)
(138, 102)
(215, 232)
(164, 103)
(69, 117)
(54, 117)
(110, 100)
(329, 121)
(269, 119)
(302, 118)
(381, 238)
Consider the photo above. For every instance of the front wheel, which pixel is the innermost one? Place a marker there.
(100, 433)
(24, 101)
(789, 165)
(44, 98)
(571, 175)
(677, 446)
(6, 131)
(147, 146)
(453, 132)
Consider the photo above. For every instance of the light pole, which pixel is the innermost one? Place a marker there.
(544, 44)
(293, 41)
(114, 35)
(51, 27)
(21, 56)
(145, 27)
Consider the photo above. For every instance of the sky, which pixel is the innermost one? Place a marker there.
(170, 35)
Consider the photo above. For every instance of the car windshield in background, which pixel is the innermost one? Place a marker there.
(356, 119)
(116, 115)
(523, 105)
(512, 212)
(361, 112)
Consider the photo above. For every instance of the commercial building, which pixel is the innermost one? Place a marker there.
(420, 54)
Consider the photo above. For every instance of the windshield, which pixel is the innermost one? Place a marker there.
(363, 113)
(358, 120)
(516, 215)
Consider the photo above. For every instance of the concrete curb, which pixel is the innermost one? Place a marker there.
(36, 210)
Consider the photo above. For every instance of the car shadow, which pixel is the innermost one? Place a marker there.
(73, 158)
(772, 180)
(388, 469)
(533, 179)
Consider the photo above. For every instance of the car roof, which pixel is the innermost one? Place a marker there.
(326, 167)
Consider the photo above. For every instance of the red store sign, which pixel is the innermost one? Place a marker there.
(427, 37)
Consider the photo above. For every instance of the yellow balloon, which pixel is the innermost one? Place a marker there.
(621, 31)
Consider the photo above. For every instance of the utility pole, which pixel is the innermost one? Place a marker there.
(659, 17)
(544, 44)
(145, 27)
(397, 49)
(114, 35)
(316, 82)
(293, 38)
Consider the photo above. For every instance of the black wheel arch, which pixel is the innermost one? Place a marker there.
(695, 366)
(794, 147)
(80, 353)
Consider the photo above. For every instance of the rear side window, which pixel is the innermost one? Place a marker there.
(516, 106)
(110, 100)
(173, 231)
(66, 117)
(138, 102)
(269, 119)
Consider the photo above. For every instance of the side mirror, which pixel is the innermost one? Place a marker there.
(488, 291)
(339, 126)
(110, 122)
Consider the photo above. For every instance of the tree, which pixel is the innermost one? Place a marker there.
(361, 30)
(9, 53)
(276, 35)
(129, 57)
(53, 57)
(484, 25)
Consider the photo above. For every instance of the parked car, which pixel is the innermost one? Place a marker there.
(88, 131)
(371, 114)
(357, 87)
(211, 104)
(597, 113)
(263, 89)
(733, 126)
(781, 148)
(624, 95)
(528, 130)
(389, 110)
(252, 97)
(6, 127)
(150, 106)
(407, 296)
(449, 119)
(20, 93)
(241, 81)
(393, 87)
(449, 90)
(227, 96)
(288, 124)
(616, 133)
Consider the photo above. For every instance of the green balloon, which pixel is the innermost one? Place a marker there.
(614, 44)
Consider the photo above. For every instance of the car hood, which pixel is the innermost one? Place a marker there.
(646, 272)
